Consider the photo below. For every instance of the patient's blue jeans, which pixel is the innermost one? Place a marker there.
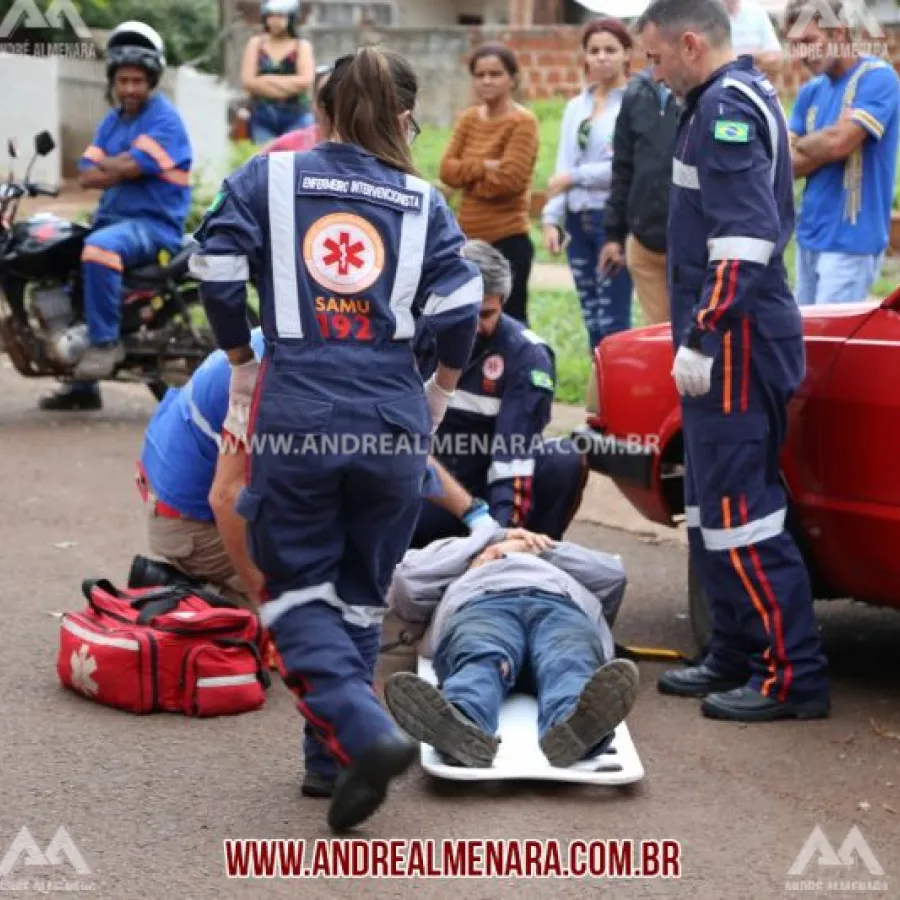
(546, 638)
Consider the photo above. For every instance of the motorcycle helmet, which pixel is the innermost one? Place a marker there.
(280, 8)
(136, 44)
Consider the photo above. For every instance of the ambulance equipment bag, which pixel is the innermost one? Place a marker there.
(177, 648)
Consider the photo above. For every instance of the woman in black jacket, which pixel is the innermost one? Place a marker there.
(638, 206)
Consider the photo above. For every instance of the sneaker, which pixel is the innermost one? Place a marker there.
(604, 703)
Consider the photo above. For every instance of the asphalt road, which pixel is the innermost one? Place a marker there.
(148, 801)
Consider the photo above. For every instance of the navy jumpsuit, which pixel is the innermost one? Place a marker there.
(346, 254)
(731, 217)
(491, 439)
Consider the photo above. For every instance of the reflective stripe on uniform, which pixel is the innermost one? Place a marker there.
(197, 416)
(283, 236)
(746, 249)
(692, 516)
(685, 176)
(361, 616)
(410, 259)
(468, 294)
(219, 268)
(753, 532)
(467, 402)
(529, 335)
(515, 468)
(762, 106)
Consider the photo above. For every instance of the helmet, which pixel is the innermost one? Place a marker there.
(136, 44)
(278, 8)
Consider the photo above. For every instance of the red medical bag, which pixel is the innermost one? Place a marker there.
(166, 649)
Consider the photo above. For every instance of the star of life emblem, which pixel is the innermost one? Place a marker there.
(344, 253)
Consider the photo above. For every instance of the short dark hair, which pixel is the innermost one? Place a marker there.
(610, 26)
(506, 56)
(709, 17)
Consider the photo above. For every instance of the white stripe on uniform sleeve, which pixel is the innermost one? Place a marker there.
(515, 468)
(219, 268)
(283, 236)
(463, 401)
(410, 259)
(746, 249)
(469, 294)
(685, 176)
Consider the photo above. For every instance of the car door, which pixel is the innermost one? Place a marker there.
(861, 458)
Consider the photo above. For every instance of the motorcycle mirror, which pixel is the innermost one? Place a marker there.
(11, 147)
(44, 143)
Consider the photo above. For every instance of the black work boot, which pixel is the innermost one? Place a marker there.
(76, 395)
(318, 786)
(422, 711)
(604, 703)
(747, 705)
(362, 787)
(695, 681)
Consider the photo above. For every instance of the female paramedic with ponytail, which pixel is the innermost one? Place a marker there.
(347, 248)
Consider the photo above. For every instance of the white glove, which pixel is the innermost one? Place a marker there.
(240, 397)
(692, 371)
(437, 399)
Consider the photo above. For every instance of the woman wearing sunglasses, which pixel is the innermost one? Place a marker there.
(578, 191)
(348, 248)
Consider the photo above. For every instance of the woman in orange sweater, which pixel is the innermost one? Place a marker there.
(491, 158)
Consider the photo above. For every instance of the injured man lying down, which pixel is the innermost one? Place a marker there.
(504, 612)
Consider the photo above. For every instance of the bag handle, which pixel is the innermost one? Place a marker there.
(156, 602)
(261, 672)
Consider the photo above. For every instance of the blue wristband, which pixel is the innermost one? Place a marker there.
(475, 513)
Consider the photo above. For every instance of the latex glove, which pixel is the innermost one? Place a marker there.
(692, 371)
(240, 397)
(479, 517)
(437, 399)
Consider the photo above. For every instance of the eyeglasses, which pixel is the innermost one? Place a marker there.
(414, 131)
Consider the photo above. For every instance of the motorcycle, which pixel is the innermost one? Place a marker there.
(42, 324)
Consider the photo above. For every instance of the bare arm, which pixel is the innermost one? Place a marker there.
(109, 171)
(454, 499)
(832, 144)
(227, 484)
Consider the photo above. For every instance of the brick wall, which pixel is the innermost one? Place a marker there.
(549, 59)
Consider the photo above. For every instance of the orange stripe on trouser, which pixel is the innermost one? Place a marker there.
(780, 653)
(735, 558)
(745, 369)
(726, 373)
(102, 257)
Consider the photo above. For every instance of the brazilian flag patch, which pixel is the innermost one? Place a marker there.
(541, 379)
(731, 132)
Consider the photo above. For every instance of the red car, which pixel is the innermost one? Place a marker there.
(841, 460)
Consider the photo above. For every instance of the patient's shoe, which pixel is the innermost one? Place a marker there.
(604, 703)
(421, 711)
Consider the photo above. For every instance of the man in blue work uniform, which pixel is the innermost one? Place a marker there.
(141, 159)
(491, 437)
(740, 357)
(845, 133)
(190, 475)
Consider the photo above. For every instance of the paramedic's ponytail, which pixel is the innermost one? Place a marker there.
(375, 88)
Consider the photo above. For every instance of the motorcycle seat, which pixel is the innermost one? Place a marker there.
(155, 274)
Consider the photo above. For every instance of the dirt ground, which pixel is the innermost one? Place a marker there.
(148, 801)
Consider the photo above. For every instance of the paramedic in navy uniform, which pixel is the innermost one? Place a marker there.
(739, 359)
(347, 248)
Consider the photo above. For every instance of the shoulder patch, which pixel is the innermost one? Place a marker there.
(541, 379)
(731, 132)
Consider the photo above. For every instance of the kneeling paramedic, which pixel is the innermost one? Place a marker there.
(491, 438)
(348, 248)
(141, 159)
(503, 615)
(739, 360)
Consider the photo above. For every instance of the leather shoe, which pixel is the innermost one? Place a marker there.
(695, 681)
(318, 786)
(71, 397)
(747, 705)
(362, 787)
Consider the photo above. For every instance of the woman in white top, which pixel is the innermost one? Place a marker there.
(573, 216)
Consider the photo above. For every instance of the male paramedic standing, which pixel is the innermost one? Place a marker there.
(348, 248)
(141, 159)
(740, 357)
